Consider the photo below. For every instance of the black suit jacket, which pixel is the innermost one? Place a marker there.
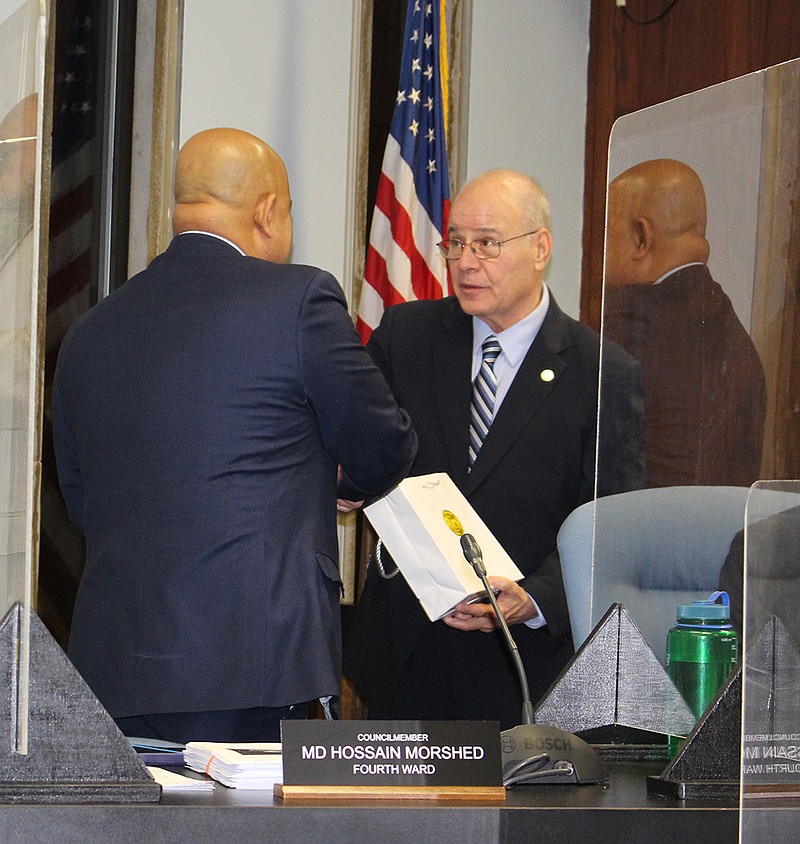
(705, 391)
(536, 465)
(200, 414)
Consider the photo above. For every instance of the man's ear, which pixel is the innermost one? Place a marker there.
(543, 247)
(642, 237)
(263, 214)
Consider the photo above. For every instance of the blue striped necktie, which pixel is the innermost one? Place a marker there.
(484, 390)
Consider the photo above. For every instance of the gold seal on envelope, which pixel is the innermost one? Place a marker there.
(451, 520)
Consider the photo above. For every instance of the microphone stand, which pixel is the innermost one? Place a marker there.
(536, 752)
(474, 557)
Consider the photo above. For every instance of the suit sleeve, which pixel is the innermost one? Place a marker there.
(621, 462)
(69, 473)
(379, 344)
(361, 425)
(546, 587)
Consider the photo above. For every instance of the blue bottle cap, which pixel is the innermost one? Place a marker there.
(708, 610)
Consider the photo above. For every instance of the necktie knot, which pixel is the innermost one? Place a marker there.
(490, 349)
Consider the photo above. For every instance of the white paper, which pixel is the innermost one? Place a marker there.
(171, 780)
(237, 764)
(411, 523)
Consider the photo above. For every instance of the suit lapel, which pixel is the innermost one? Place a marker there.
(535, 381)
(452, 363)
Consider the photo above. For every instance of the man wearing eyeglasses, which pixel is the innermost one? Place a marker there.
(524, 456)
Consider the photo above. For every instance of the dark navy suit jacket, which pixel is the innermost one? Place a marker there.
(200, 414)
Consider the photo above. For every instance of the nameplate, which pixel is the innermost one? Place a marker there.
(391, 753)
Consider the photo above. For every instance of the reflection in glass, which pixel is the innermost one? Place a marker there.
(702, 263)
(701, 268)
(704, 387)
(718, 342)
(763, 573)
(22, 50)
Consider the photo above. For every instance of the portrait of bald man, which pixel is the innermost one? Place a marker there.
(202, 415)
(705, 392)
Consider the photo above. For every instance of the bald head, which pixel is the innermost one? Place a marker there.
(231, 183)
(510, 209)
(656, 221)
(519, 189)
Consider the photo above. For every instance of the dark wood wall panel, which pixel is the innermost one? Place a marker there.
(697, 43)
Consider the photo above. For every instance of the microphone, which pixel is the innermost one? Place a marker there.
(535, 753)
(473, 553)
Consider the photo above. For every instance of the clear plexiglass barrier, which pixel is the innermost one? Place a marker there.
(700, 370)
(22, 56)
(766, 572)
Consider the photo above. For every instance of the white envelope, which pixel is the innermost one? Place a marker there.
(413, 522)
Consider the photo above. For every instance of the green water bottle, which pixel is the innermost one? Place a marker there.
(702, 649)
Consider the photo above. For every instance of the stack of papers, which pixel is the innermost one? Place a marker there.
(174, 781)
(157, 752)
(237, 765)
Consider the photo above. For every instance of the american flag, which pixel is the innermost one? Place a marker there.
(76, 160)
(71, 279)
(413, 199)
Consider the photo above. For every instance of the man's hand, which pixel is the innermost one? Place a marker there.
(514, 603)
(344, 506)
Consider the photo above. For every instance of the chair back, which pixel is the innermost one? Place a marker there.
(648, 550)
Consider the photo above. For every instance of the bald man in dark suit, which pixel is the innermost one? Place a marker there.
(202, 414)
(705, 391)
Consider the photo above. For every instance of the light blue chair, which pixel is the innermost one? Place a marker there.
(648, 550)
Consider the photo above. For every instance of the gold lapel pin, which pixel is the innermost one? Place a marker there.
(547, 375)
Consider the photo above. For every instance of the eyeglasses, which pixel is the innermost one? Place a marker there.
(483, 247)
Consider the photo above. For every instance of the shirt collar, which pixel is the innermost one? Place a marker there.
(517, 338)
(676, 269)
(218, 237)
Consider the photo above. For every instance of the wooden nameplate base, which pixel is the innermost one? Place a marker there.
(461, 794)
(449, 761)
(771, 791)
